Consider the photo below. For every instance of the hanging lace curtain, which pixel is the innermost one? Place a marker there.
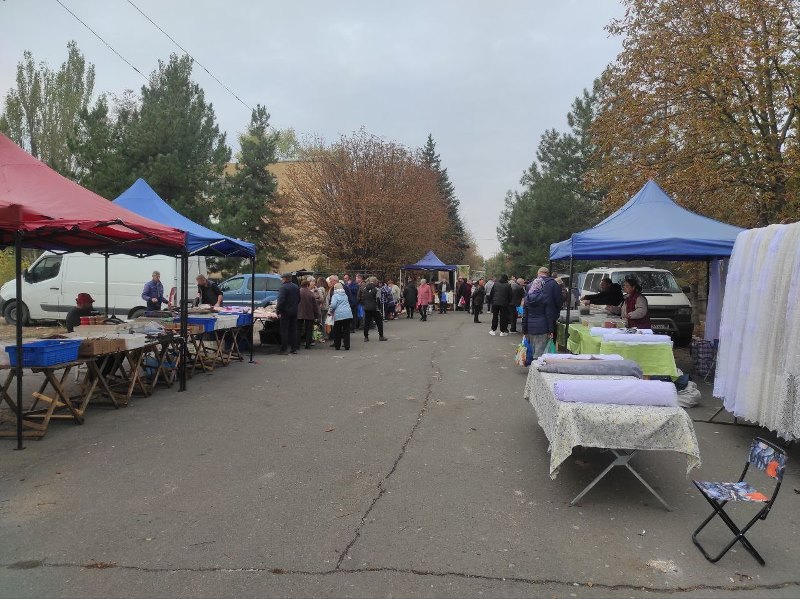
(758, 362)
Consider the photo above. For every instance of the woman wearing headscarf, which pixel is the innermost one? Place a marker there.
(410, 298)
(634, 308)
(540, 310)
(424, 297)
(342, 317)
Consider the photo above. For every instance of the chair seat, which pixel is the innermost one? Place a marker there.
(740, 491)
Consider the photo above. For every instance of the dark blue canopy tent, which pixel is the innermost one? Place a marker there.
(430, 262)
(200, 241)
(649, 225)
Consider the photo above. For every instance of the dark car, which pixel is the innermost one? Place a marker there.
(236, 291)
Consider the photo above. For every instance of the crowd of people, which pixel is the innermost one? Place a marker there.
(339, 308)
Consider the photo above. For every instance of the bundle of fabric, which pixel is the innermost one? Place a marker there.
(554, 357)
(593, 367)
(628, 392)
(603, 331)
(634, 338)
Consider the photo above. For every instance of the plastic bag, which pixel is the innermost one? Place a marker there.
(551, 347)
(524, 355)
(521, 355)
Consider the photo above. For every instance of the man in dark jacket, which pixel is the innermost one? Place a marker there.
(517, 293)
(478, 296)
(368, 297)
(499, 299)
(307, 312)
(542, 305)
(286, 308)
(610, 294)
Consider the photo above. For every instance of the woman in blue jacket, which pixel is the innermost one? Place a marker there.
(342, 317)
(542, 305)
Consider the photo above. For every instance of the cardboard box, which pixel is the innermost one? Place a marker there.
(95, 347)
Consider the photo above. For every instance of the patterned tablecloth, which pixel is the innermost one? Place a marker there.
(606, 426)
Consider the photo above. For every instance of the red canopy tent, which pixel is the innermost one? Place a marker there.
(41, 209)
(53, 212)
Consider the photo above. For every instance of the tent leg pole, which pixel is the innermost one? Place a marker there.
(107, 312)
(184, 304)
(252, 304)
(18, 268)
(569, 303)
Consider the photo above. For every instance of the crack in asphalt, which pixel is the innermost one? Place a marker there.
(419, 572)
(435, 376)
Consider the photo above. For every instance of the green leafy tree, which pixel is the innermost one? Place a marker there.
(174, 142)
(248, 206)
(42, 111)
(458, 239)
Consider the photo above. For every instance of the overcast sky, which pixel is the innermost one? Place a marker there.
(486, 79)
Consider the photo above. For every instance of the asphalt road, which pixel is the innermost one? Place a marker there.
(406, 468)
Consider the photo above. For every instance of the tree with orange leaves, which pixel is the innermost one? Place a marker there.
(365, 203)
(704, 98)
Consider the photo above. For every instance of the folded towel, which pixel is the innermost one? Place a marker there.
(627, 338)
(603, 331)
(623, 392)
(593, 367)
(552, 357)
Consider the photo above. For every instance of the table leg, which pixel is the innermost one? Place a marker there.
(621, 459)
(99, 378)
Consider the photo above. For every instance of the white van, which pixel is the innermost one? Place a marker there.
(670, 309)
(53, 281)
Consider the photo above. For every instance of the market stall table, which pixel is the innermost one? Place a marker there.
(654, 358)
(621, 429)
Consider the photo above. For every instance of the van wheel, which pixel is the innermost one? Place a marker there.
(136, 313)
(10, 313)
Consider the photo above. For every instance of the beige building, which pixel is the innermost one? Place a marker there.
(301, 262)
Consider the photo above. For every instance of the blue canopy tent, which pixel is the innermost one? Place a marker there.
(430, 262)
(649, 225)
(200, 241)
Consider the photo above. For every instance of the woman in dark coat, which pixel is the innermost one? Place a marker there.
(410, 298)
(307, 312)
(542, 304)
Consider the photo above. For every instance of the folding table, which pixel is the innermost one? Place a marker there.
(621, 429)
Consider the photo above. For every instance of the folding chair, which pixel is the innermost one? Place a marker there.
(764, 456)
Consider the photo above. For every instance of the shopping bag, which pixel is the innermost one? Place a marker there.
(521, 355)
(551, 347)
(329, 324)
(528, 351)
(360, 311)
(520, 311)
(462, 302)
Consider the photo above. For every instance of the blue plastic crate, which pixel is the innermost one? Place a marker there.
(45, 352)
(244, 320)
(207, 323)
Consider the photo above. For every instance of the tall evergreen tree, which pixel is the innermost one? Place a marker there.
(555, 201)
(174, 142)
(247, 208)
(458, 237)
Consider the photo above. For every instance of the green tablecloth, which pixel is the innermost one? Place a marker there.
(653, 358)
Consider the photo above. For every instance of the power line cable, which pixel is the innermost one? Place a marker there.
(185, 51)
(97, 35)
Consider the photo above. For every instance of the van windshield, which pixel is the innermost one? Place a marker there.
(658, 281)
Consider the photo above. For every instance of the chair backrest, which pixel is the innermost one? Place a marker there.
(768, 458)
